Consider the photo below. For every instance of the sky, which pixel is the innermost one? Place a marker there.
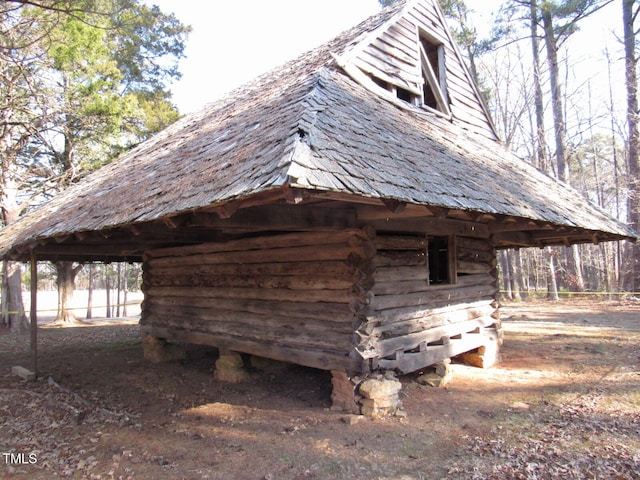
(232, 42)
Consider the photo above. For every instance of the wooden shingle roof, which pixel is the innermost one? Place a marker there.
(308, 126)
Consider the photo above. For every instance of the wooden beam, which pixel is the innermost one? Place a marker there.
(170, 222)
(294, 196)
(517, 238)
(281, 217)
(433, 226)
(367, 213)
(394, 206)
(515, 226)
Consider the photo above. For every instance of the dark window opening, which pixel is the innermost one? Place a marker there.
(438, 254)
(428, 98)
(434, 88)
(381, 83)
(405, 95)
(402, 93)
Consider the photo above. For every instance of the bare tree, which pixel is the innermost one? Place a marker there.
(629, 15)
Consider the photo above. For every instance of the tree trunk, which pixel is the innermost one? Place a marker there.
(13, 307)
(89, 315)
(562, 160)
(575, 282)
(633, 146)
(506, 279)
(125, 287)
(513, 275)
(118, 288)
(556, 95)
(521, 275)
(107, 286)
(541, 147)
(66, 274)
(552, 281)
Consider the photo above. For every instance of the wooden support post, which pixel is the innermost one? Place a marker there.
(33, 315)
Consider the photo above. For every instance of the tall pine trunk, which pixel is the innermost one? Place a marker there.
(541, 147)
(633, 145)
(559, 127)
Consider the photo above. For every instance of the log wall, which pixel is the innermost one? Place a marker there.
(411, 324)
(292, 297)
(349, 300)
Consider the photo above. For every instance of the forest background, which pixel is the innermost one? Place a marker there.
(81, 81)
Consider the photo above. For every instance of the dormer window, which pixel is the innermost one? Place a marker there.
(434, 91)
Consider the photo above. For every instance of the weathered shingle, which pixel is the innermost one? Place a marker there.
(307, 124)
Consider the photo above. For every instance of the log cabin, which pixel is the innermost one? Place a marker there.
(341, 212)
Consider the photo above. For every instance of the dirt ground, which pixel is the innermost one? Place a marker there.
(563, 403)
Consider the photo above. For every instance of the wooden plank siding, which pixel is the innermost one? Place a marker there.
(393, 57)
(409, 323)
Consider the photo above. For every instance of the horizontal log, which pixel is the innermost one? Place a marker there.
(451, 295)
(433, 318)
(255, 320)
(470, 255)
(301, 239)
(283, 334)
(473, 267)
(299, 282)
(320, 311)
(337, 268)
(388, 258)
(400, 242)
(307, 296)
(396, 287)
(412, 341)
(401, 273)
(312, 253)
(474, 244)
(314, 358)
(400, 288)
(408, 314)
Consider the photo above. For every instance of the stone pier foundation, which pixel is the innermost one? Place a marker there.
(158, 350)
(230, 367)
(381, 395)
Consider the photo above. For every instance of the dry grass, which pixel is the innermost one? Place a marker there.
(563, 403)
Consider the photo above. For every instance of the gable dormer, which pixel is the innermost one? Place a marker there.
(414, 58)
